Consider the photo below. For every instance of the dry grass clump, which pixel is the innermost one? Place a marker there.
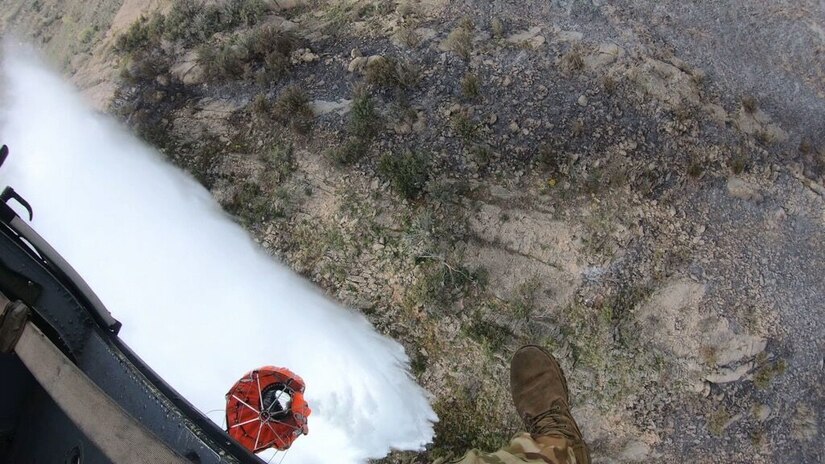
(263, 53)
(609, 84)
(470, 85)
(573, 60)
(749, 104)
(497, 28)
(261, 106)
(408, 37)
(363, 122)
(352, 150)
(407, 172)
(718, 421)
(578, 128)
(390, 72)
(460, 42)
(292, 108)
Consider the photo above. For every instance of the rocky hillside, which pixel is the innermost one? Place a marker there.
(637, 186)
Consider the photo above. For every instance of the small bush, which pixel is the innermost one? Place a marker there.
(192, 21)
(139, 35)
(489, 334)
(573, 61)
(263, 52)
(408, 37)
(260, 106)
(350, 152)
(292, 107)
(482, 155)
(389, 72)
(363, 122)
(405, 9)
(739, 162)
(408, 172)
(578, 128)
(222, 63)
(695, 168)
(464, 126)
(609, 84)
(554, 161)
(718, 421)
(767, 372)
(497, 28)
(749, 104)
(144, 66)
(460, 42)
(470, 85)
(281, 162)
(766, 136)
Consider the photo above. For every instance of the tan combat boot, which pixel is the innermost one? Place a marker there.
(541, 398)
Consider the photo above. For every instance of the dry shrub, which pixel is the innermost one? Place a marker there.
(292, 107)
(460, 42)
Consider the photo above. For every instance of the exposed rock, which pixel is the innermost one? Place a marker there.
(357, 64)
(716, 113)
(425, 34)
(729, 375)
(739, 188)
(303, 55)
(530, 37)
(761, 412)
(606, 54)
(635, 451)
(582, 101)
(321, 107)
(569, 36)
(187, 69)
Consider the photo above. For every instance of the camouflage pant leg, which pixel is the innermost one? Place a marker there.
(524, 450)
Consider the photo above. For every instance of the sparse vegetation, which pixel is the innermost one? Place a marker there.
(609, 84)
(696, 168)
(470, 85)
(140, 34)
(460, 42)
(292, 108)
(363, 118)
(767, 136)
(749, 104)
(194, 21)
(260, 106)
(408, 37)
(578, 128)
(464, 125)
(407, 171)
(718, 421)
(497, 28)
(463, 423)
(352, 150)
(573, 60)
(443, 282)
(767, 371)
(280, 162)
(262, 53)
(482, 155)
(739, 162)
(390, 72)
(489, 334)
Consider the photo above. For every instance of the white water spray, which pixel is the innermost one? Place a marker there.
(199, 301)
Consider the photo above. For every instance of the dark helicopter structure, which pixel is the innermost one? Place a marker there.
(71, 391)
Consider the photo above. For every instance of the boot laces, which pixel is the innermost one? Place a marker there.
(554, 421)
